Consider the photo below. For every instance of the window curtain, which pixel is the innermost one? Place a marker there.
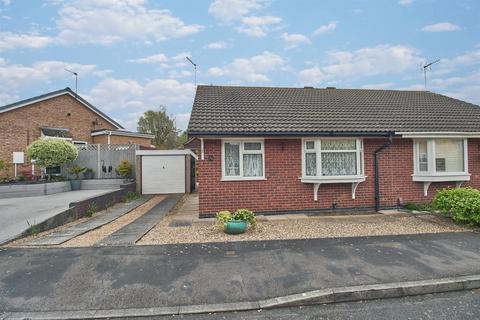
(232, 159)
(311, 164)
(339, 163)
(335, 144)
(252, 165)
(449, 155)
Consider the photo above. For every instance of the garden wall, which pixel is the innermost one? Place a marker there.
(33, 189)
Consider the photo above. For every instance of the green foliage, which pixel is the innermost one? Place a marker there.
(32, 229)
(418, 206)
(91, 209)
(52, 152)
(463, 204)
(125, 169)
(241, 214)
(76, 170)
(5, 167)
(88, 170)
(130, 196)
(161, 126)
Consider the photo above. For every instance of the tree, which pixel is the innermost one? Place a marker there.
(161, 126)
(52, 152)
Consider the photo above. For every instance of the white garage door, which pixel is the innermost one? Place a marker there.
(163, 174)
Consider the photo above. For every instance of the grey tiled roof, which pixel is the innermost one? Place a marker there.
(271, 110)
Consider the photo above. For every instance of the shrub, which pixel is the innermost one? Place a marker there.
(130, 196)
(463, 204)
(125, 169)
(91, 209)
(32, 229)
(52, 152)
(418, 206)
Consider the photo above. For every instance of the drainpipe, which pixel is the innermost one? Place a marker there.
(375, 164)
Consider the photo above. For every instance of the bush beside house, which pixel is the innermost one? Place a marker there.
(462, 204)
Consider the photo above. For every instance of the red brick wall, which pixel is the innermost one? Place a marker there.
(283, 190)
(20, 127)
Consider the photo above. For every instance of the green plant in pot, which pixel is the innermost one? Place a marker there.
(125, 169)
(237, 222)
(88, 173)
(76, 183)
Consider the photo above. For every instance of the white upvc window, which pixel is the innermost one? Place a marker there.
(440, 157)
(243, 159)
(329, 158)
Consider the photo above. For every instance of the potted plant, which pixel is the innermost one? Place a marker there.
(88, 173)
(125, 169)
(76, 183)
(237, 222)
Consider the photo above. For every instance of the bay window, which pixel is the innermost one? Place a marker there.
(327, 158)
(242, 160)
(440, 160)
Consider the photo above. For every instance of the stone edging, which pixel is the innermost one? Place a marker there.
(323, 296)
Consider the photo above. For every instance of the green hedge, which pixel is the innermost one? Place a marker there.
(463, 204)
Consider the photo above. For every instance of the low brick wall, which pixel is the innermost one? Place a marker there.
(78, 208)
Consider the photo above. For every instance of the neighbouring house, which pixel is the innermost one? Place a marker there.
(59, 114)
(281, 150)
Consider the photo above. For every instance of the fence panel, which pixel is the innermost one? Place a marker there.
(103, 159)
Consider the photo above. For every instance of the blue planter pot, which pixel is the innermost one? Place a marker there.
(235, 226)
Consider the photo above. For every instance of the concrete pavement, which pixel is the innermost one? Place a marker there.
(172, 275)
(15, 212)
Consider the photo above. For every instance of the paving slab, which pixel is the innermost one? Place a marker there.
(131, 233)
(16, 212)
(61, 236)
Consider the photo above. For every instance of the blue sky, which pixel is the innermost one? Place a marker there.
(130, 54)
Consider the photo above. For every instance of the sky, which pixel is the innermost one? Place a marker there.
(130, 54)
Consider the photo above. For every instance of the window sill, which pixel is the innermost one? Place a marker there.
(346, 179)
(244, 179)
(441, 177)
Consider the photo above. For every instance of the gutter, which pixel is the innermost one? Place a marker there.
(376, 170)
(198, 134)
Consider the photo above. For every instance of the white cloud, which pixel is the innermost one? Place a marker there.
(325, 28)
(467, 59)
(127, 99)
(364, 62)
(6, 3)
(10, 41)
(405, 2)
(228, 11)
(254, 69)
(112, 21)
(17, 78)
(441, 27)
(216, 45)
(293, 40)
(258, 26)
(156, 58)
(383, 85)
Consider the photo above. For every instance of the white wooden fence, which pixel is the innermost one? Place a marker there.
(103, 159)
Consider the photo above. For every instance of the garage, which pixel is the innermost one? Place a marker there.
(165, 171)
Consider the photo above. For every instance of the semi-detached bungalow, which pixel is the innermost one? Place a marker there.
(281, 150)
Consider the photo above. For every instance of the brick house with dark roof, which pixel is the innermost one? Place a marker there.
(307, 149)
(61, 114)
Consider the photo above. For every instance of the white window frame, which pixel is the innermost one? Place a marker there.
(360, 166)
(241, 142)
(427, 177)
(432, 170)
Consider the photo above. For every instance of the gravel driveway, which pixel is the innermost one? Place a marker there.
(304, 228)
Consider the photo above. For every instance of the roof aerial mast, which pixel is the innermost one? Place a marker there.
(425, 67)
(76, 79)
(194, 67)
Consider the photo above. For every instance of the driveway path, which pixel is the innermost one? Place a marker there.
(15, 212)
(168, 275)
